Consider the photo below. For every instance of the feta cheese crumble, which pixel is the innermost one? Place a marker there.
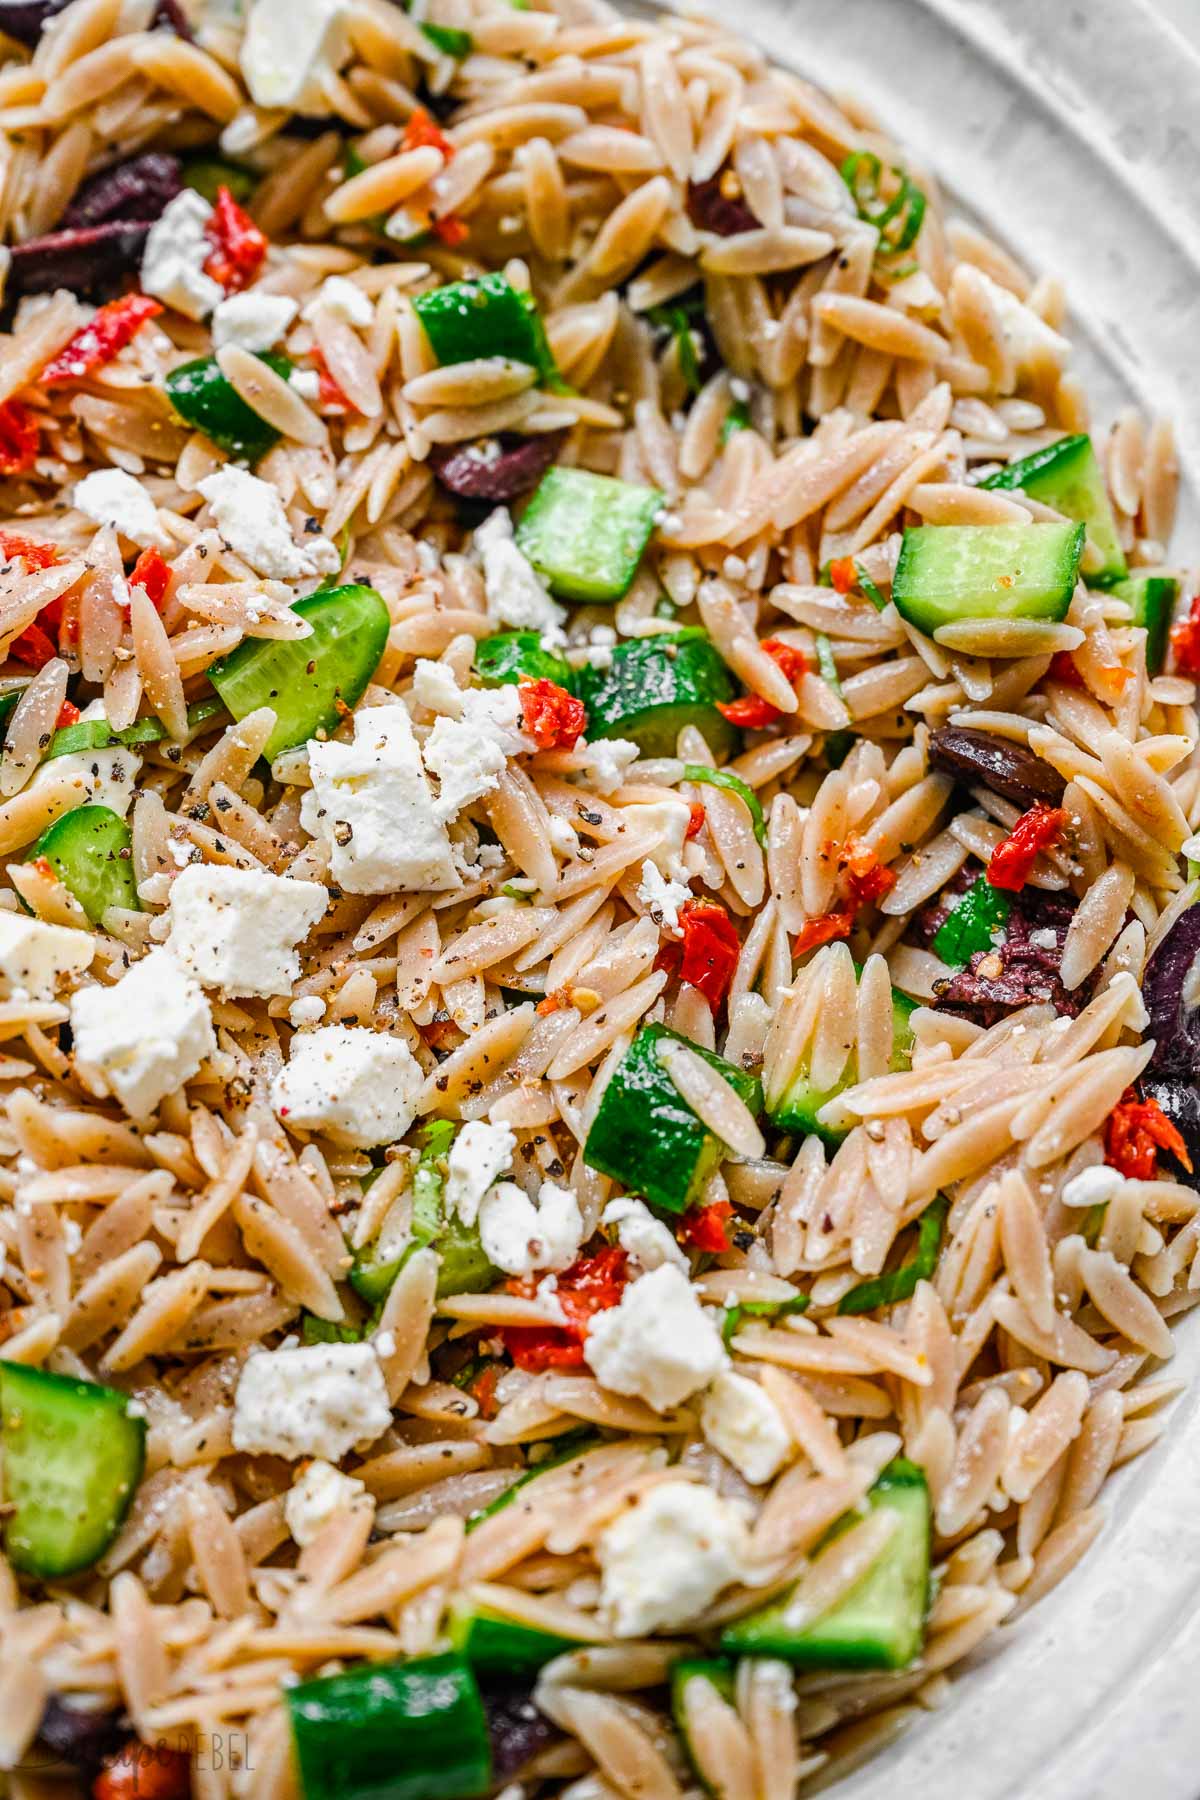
(237, 929)
(664, 1562)
(317, 1400)
(1093, 1187)
(605, 763)
(468, 755)
(435, 688)
(479, 1154)
(520, 1237)
(177, 249)
(742, 1422)
(249, 515)
(111, 497)
(309, 1009)
(290, 49)
(344, 299)
(371, 806)
(662, 898)
(35, 957)
(146, 1035)
(647, 1241)
(318, 1493)
(668, 820)
(356, 1086)
(252, 321)
(516, 594)
(658, 1344)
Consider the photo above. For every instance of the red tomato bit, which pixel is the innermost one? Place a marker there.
(751, 711)
(1135, 1133)
(554, 719)
(705, 1227)
(707, 953)
(34, 556)
(106, 332)
(1185, 641)
(239, 247)
(843, 574)
(19, 438)
(1062, 668)
(866, 877)
(32, 647)
(152, 574)
(823, 930)
(423, 132)
(145, 1772)
(588, 1287)
(331, 396)
(68, 714)
(696, 821)
(1014, 857)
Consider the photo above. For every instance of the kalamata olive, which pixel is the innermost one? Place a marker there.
(712, 208)
(1171, 992)
(516, 1727)
(499, 469)
(133, 191)
(978, 759)
(25, 19)
(91, 262)
(80, 1735)
(170, 14)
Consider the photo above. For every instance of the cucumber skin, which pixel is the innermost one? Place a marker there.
(392, 1731)
(646, 1136)
(350, 625)
(480, 317)
(36, 1409)
(98, 836)
(1151, 601)
(1067, 476)
(654, 687)
(509, 657)
(925, 562)
(586, 534)
(721, 1674)
(488, 1641)
(800, 1103)
(847, 1637)
(206, 400)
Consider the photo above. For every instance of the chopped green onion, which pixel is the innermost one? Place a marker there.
(861, 173)
(758, 1309)
(449, 40)
(900, 1284)
(724, 778)
(736, 419)
(324, 1331)
(675, 319)
(869, 589)
(838, 744)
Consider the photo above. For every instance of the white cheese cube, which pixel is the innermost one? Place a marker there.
(252, 321)
(479, 1154)
(370, 804)
(521, 1238)
(249, 516)
(237, 929)
(742, 1422)
(317, 1494)
(177, 249)
(111, 497)
(35, 958)
(353, 1084)
(469, 754)
(647, 1241)
(290, 47)
(320, 1400)
(147, 1035)
(658, 1344)
(516, 595)
(666, 1559)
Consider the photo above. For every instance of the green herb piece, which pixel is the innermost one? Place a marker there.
(904, 212)
(449, 40)
(900, 1284)
(733, 784)
(759, 1309)
(675, 319)
(736, 419)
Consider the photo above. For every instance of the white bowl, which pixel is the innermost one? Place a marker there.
(1071, 129)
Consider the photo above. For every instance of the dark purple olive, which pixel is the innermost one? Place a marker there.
(90, 263)
(170, 14)
(133, 191)
(516, 1727)
(1171, 991)
(80, 1735)
(978, 759)
(1180, 1101)
(498, 469)
(712, 207)
(25, 20)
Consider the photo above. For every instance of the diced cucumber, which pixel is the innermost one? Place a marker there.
(310, 681)
(880, 1624)
(586, 534)
(1067, 476)
(900, 1283)
(464, 1266)
(208, 173)
(209, 402)
(484, 316)
(90, 850)
(655, 686)
(512, 656)
(799, 1104)
(838, 744)
(98, 734)
(1152, 600)
(647, 1137)
(977, 917)
(392, 1731)
(704, 1672)
(73, 1456)
(949, 573)
(488, 1640)
(448, 39)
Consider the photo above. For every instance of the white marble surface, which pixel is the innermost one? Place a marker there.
(1183, 14)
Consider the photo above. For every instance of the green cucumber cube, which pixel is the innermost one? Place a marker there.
(1067, 476)
(655, 686)
(586, 534)
(951, 573)
(1152, 600)
(797, 1107)
(484, 316)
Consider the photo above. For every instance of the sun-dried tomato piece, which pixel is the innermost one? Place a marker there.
(239, 247)
(706, 1227)
(1185, 641)
(696, 818)
(1014, 857)
(106, 332)
(19, 437)
(34, 556)
(144, 1772)
(591, 1285)
(553, 718)
(706, 951)
(152, 574)
(825, 929)
(423, 132)
(1135, 1133)
(751, 711)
